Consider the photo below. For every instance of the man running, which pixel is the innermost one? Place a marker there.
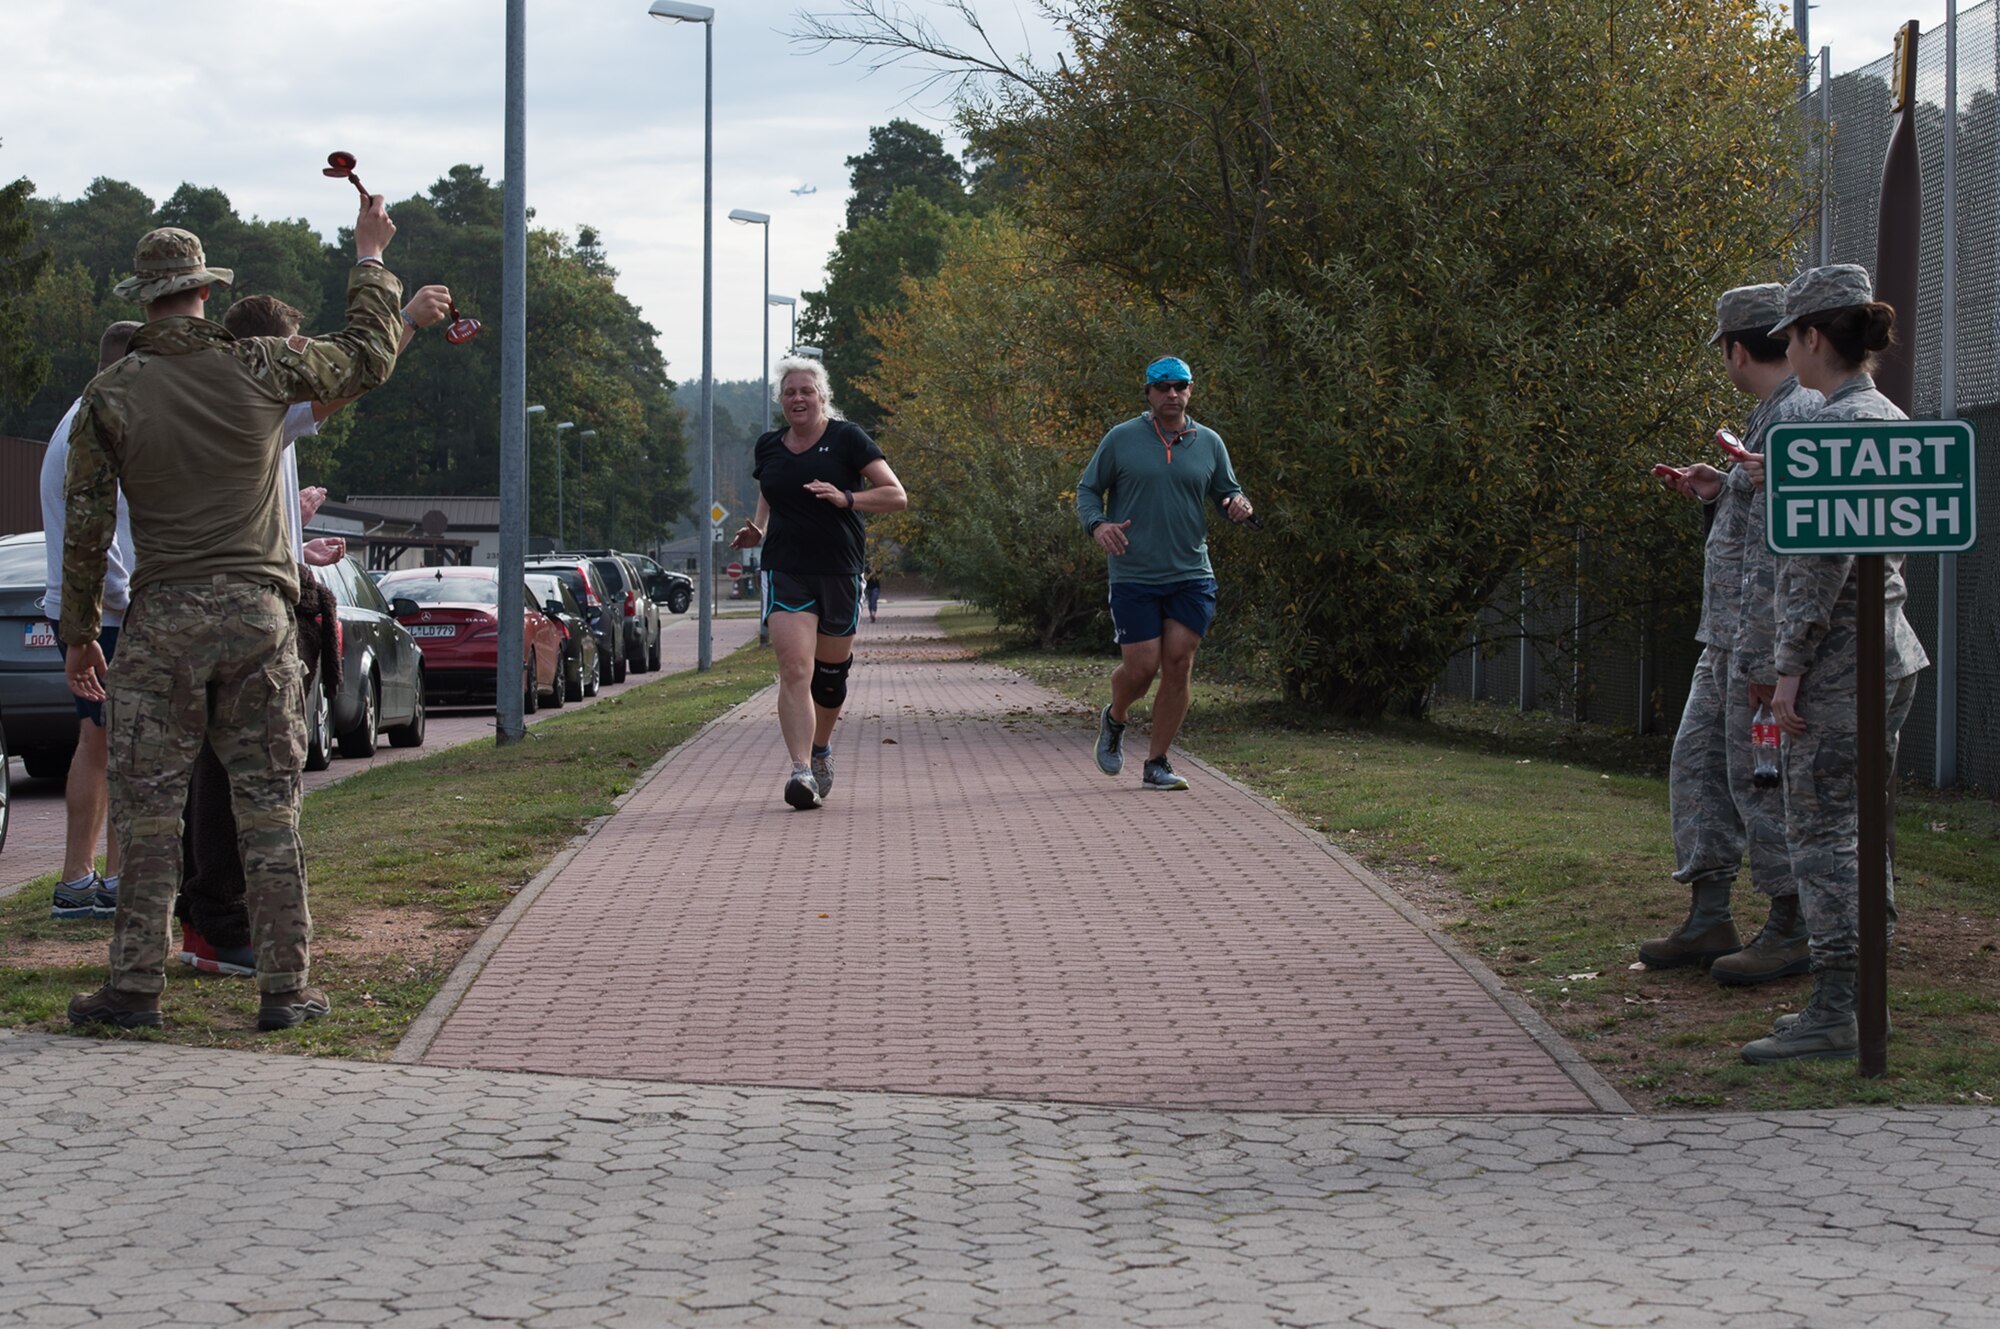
(1141, 499)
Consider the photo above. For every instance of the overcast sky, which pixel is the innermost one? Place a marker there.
(250, 95)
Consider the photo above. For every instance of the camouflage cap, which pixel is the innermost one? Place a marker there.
(167, 261)
(1816, 290)
(1748, 309)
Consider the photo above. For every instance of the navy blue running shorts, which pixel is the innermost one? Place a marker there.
(1138, 613)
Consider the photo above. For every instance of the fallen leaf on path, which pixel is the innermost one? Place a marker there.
(1578, 978)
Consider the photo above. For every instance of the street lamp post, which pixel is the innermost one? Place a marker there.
(813, 351)
(581, 494)
(528, 472)
(675, 11)
(509, 724)
(745, 217)
(560, 426)
(793, 306)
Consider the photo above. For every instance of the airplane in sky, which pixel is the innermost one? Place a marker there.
(803, 190)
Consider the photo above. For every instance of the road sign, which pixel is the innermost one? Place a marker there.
(733, 570)
(718, 514)
(1871, 487)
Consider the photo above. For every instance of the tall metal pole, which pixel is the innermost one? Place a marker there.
(509, 725)
(561, 427)
(1944, 772)
(1826, 160)
(705, 653)
(766, 310)
(1898, 238)
(1802, 28)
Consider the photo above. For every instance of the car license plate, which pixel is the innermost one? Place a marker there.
(434, 630)
(42, 634)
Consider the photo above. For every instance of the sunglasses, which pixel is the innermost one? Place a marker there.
(1165, 386)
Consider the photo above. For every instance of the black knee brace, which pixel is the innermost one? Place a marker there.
(829, 685)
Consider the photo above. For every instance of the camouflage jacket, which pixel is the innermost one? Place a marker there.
(188, 425)
(1757, 627)
(1816, 591)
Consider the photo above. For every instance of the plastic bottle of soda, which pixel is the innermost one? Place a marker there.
(1764, 748)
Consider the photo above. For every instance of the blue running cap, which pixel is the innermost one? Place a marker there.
(1169, 369)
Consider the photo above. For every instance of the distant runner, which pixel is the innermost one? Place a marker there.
(1141, 498)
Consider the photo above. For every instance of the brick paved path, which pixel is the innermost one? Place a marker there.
(978, 911)
(143, 1185)
(35, 833)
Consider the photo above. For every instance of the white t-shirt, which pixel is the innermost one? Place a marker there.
(299, 423)
(55, 518)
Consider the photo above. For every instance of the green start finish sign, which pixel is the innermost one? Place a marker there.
(1871, 487)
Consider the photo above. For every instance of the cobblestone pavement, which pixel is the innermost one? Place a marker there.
(35, 833)
(977, 910)
(143, 1185)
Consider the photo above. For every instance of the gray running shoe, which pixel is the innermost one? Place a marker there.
(1161, 775)
(822, 764)
(1110, 735)
(802, 791)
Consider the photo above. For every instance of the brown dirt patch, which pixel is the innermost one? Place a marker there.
(1623, 1018)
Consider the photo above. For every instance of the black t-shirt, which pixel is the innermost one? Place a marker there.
(811, 536)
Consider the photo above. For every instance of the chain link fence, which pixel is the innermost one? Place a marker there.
(1541, 651)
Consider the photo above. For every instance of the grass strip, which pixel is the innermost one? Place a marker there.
(407, 863)
(1543, 847)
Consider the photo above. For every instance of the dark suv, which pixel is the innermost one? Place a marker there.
(627, 584)
(579, 573)
(675, 590)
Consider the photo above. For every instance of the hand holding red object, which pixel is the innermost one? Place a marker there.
(340, 165)
(462, 330)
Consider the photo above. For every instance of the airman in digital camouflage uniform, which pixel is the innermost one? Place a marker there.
(1717, 808)
(1833, 327)
(188, 424)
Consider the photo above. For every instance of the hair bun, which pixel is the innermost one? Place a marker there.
(1880, 329)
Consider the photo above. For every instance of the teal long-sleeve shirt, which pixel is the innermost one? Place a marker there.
(1135, 476)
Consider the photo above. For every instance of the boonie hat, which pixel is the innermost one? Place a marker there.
(1748, 309)
(168, 261)
(1169, 369)
(1816, 290)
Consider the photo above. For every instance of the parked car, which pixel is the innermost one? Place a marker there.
(642, 612)
(39, 710)
(607, 622)
(675, 590)
(454, 613)
(382, 674)
(6, 784)
(579, 644)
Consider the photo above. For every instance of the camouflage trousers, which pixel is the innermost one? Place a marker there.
(218, 661)
(1822, 804)
(1717, 810)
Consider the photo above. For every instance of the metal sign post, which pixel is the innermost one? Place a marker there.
(1871, 488)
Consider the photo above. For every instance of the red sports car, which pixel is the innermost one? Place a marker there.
(454, 613)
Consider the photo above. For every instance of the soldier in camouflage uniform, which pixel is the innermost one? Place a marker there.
(1834, 327)
(188, 424)
(1716, 807)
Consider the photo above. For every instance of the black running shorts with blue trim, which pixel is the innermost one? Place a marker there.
(836, 599)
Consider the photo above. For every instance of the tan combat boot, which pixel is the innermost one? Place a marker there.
(1825, 1030)
(1707, 934)
(1779, 950)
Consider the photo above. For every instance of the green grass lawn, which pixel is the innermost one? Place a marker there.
(407, 864)
(1543, 848)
